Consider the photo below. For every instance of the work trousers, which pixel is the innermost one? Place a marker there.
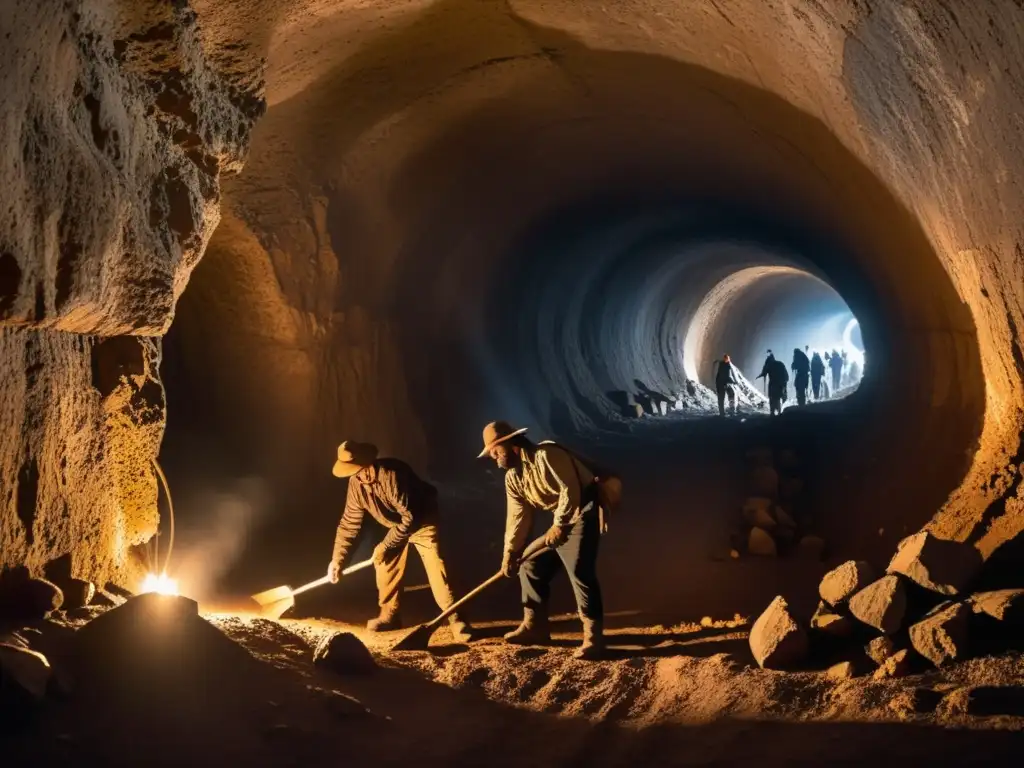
(578, 555)
(801, 389)
(816, 386)
(836, 379)
(391, 571)
(723, 393)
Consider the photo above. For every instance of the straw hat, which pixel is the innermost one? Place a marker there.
(496, 433)
(352, 457)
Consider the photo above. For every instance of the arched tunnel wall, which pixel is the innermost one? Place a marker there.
(366, 280)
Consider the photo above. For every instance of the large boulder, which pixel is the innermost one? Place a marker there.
(941, 637)
(777, 640)
(939, 565)
(344, 654)
(842, 583)
(882, 604)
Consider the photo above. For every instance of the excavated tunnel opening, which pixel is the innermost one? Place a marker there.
(408, 269)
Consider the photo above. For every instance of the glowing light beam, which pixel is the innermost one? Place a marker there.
(161, 583)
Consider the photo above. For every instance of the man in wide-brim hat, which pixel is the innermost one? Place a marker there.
(549, 477)
(397, 498)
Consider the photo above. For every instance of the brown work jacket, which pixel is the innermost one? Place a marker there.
(395, 497)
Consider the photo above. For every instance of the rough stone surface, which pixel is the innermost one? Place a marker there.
(1004, 605)
(942, 636)
(119, 127)
(881, 604)
(344, 654)
(841, 583)
(783, 518)
(880, 649)
(760, 542)
(942, 566)
(827, 621)
(777, 640)
(897, 665)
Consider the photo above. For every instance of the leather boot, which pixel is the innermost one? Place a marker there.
(462, 631)
(386, 621)
(593, 641)
(532, 631)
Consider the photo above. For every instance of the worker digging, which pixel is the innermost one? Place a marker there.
(549, 477)
(397, 498)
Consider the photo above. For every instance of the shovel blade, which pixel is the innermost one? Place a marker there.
(278, 609)
(272, 595)
(417, 640)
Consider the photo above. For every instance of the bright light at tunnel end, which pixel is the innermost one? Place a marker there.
(161, 584)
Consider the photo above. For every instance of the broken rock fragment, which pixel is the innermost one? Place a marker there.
(812, 547)
(829, 622)
(777, 640)
(842, 583)
(880, 649)
(841, 671)
(939, 565)
(23, 672)
(344, 654)
(941, 637)
(897, 665)
(1003, 605)
(881, 604)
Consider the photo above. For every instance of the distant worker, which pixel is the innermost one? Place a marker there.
(725, 384)
(777, 377)
(802, 371)
(836, 364)
(549, 477)
(399, 500)
(817, 372)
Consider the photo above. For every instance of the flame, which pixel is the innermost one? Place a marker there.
(159, 583)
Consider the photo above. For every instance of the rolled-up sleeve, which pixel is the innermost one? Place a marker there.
(394, 490)
(560, 474)
(518, 518)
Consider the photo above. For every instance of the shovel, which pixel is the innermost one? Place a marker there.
(274, 602)
(419, 638)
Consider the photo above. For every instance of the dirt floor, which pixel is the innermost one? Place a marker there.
(680, 695)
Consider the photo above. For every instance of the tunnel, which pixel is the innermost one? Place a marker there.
(236, 233)
(545, 215)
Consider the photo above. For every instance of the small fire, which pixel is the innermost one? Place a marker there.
(160, 583)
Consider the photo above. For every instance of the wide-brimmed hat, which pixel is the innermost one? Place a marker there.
(352, 457)
(496, 433)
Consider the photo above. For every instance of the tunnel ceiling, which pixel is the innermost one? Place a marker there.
(412, 152)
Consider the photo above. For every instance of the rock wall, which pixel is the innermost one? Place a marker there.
(117, 127)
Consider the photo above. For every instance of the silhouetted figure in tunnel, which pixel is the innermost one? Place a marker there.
(836, 364)
(817, 372)
(774, 371)
(801, 373)
(725, 384)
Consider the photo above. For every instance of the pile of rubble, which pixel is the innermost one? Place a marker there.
(774, 521)
(919, 612)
